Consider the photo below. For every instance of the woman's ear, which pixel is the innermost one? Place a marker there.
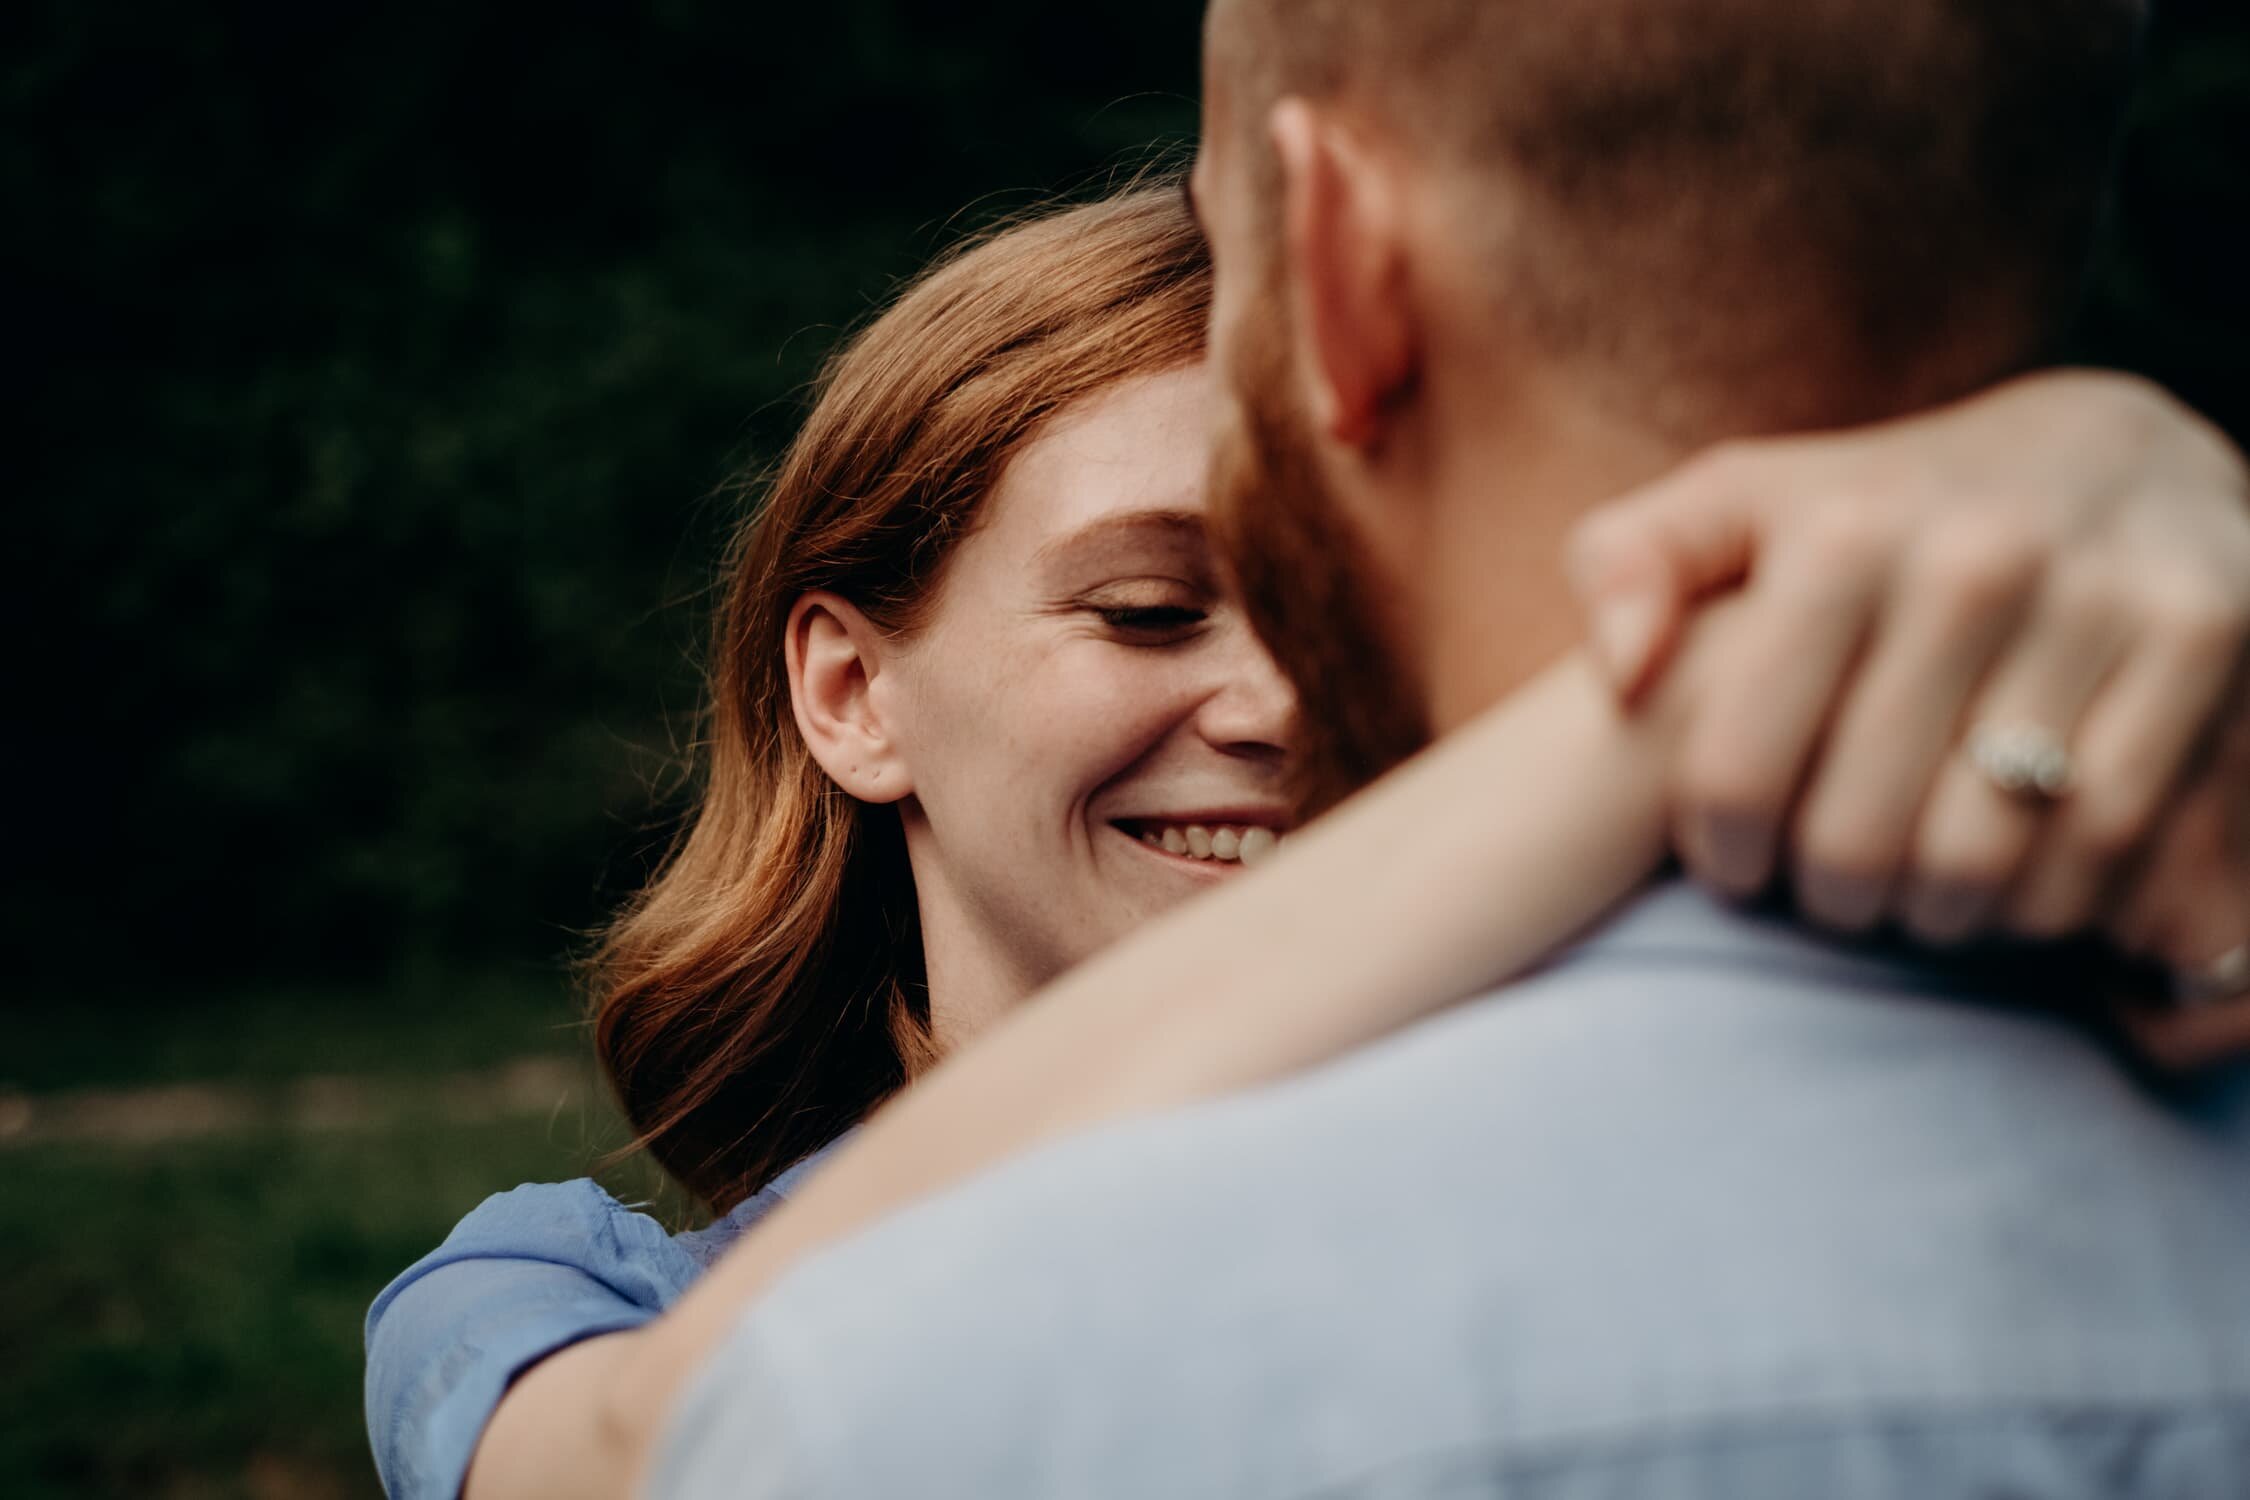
(835, 656)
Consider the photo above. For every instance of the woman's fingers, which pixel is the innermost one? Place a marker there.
(1974, 835)
(2188, 905)
(2186, 1039)
(1878, 567)
(1766, 700)
(1639, 563)
(1959, 598)
(2188, 909)
(2131, 752)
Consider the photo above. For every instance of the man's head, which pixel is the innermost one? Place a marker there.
(1483, 262)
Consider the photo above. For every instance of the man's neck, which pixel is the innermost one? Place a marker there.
(1494, 603)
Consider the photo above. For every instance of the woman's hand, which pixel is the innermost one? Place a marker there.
(2068, 556)
(2187, 909)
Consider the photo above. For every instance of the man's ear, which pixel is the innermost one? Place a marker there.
(835, 656)
(1343, 244)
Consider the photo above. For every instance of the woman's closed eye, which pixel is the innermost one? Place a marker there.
(1151, 623)
(1154, 612)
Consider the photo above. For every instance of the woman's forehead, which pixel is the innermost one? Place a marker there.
(1130, 460)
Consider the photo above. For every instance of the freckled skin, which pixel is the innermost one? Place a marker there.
(1083, 664)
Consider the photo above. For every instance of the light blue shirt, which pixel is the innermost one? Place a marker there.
(1710, 1209)
(526, 1273)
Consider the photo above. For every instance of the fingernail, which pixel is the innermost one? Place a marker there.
(1944, 911)
(1624, 628)
(1840, 899)
(1735, 851)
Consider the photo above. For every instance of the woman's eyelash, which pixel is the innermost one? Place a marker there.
(1150, 617)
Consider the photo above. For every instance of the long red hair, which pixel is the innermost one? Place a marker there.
(766, 989)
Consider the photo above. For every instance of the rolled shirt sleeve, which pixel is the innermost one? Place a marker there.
(527, 1273)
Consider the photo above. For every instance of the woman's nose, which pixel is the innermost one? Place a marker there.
(1254, 709)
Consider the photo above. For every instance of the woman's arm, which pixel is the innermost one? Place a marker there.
(1469, 864)
(1390, 907)
(1466, 865)
(524, 1275)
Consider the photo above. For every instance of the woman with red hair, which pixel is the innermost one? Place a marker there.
(981, 707)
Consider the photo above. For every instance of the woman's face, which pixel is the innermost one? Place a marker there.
(1090, 730)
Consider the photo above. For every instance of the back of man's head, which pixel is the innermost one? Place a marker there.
(1736, 215)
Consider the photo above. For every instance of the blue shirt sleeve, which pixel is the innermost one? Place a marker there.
(527, 1273)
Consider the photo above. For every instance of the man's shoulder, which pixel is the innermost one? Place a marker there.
(1661, 1189)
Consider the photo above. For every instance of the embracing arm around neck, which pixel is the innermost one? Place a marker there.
(1466, 865)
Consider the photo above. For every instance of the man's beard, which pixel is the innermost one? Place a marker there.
(1305, 579)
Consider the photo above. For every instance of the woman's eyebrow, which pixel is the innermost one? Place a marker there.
(1173, 526)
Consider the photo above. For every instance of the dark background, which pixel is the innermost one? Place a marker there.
(380, 365)
(376, 374)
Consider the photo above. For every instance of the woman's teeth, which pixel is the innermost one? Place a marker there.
(1227, 845)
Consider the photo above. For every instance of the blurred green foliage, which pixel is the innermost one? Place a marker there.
(382, 364)
(185, 1320)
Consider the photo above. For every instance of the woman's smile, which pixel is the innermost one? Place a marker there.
(1212, 840)
(1082, 675)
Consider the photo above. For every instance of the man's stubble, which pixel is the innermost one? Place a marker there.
(1305, 578)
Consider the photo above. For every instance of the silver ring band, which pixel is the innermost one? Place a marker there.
(2224, 978)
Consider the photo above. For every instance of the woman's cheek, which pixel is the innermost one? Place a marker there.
(1143, 682)
(1115, 705)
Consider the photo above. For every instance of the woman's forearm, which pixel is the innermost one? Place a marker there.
(552, 1436)
(1465, 866)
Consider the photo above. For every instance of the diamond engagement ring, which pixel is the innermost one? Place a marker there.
(2226, 977)
(2022, 760)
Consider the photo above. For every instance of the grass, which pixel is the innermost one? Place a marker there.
(183, 1320)
(186, 1320)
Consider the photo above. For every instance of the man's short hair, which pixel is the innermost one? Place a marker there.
(1741, 213)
